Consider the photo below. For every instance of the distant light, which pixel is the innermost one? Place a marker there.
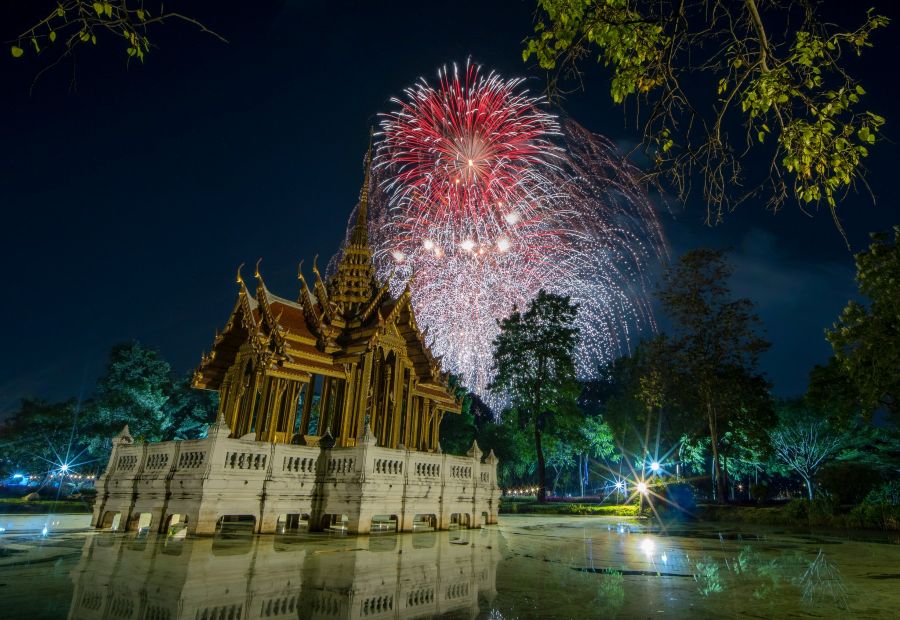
(648, 546)
(471, 163)
(398, 256)
(15, 476)
(620, 484)
(467, 245)
(44, 531)
(429, 244)
(642, 487)
(64, 467)
(512, 217)
(503, 244)
(664, 558)
(654, 466)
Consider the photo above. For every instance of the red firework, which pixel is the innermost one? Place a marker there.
(465, 156)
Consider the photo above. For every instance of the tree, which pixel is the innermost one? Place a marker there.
(134, 390)
(72, 24)
(639, 401)
(458, 431)
(42, 436)
(715, 349)
(189, 411)
(535, 369)
(776, 72)
(866, 338)
(805, 442)
(832, 392)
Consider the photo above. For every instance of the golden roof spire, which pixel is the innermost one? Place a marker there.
(360, 235)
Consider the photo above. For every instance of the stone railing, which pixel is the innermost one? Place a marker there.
(284, 478)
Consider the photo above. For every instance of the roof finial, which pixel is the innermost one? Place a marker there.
(240, 280)
(257, 274)
(300, 273)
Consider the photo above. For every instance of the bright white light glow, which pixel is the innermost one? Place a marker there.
(64, 467)
(654, 466)
(429, 244)
(642, 487)
(398, 256)
(648, 546)
(503, 244)
(512, 217)
(467, 245)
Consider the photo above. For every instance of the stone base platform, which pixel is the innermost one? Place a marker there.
(199, 486)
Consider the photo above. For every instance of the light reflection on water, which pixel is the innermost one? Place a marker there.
(239, 577)
(528, 567)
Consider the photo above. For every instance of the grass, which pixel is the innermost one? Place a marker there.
(529, 506)
(818, 513)
(10, 505)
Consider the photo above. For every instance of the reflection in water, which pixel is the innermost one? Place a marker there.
(814, 581)
(396, 576)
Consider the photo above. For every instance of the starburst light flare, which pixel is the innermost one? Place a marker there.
(487, 198)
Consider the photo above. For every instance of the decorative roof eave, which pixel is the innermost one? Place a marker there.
(306, 301)
(322, 292)
(242, 314)
(276, 335)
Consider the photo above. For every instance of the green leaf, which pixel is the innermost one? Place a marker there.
(140, 14)
(16, 51)
(52, 36)
(98, 7)
(94, 39)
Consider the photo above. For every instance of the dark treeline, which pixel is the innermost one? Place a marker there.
(694, 400)
(138, 388)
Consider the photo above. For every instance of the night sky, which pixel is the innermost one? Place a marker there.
(128, 203)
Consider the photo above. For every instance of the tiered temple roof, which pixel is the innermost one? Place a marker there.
(345, 353)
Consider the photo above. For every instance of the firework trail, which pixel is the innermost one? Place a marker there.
(487, 198)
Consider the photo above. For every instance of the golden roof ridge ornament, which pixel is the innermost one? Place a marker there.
(300, 274)
(257, 274)
(239, 279)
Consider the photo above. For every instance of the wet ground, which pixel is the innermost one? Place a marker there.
(526, 567)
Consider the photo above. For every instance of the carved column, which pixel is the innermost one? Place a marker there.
(307, 405)
(398, 404)
(347, 409)
(426, 419)
(435, 428)
(363, 398)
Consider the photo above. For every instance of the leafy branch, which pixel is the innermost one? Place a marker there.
(697, 68)
(75, 23)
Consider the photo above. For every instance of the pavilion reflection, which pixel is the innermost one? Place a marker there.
(388, 576)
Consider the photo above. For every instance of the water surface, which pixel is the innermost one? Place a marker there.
(525, 567)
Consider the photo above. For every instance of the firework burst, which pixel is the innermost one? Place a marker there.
(488, 198)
